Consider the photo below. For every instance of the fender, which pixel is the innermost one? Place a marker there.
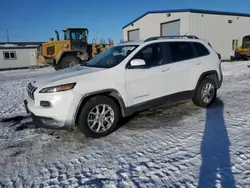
(108, 92)
(212, 73)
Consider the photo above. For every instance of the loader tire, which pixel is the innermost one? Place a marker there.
(67, 61)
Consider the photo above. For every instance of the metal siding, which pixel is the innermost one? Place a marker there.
(150, 25)
(23, 59)
(134, 34)
(190, 11)
(171, 28)
(220, 33)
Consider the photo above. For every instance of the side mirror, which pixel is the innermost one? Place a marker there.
(137, 62)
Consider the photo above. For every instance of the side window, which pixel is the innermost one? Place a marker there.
(151, 54)
(9, 55)
(201, 49)
(180, 51)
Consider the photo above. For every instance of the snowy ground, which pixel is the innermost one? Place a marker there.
(177, 145)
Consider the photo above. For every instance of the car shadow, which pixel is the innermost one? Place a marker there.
(215, 152)
(14, 119)
(126, 120)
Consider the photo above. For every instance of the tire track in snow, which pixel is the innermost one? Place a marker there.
(151, 158)
(157, 148)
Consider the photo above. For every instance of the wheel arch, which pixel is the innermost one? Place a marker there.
(212, 74)
(112, 93)
(66, 53)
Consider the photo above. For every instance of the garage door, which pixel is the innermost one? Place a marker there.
(134, 34)
(170, 28)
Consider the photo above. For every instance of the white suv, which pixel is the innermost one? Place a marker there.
(127, 78)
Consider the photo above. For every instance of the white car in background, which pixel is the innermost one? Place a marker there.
(125, 79)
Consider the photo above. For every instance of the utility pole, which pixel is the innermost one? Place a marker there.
(7, 33)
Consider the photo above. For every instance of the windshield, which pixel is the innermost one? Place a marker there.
(111, 57)
(78, 35)
(75, 35)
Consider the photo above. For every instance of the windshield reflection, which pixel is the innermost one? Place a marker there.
(111, 57)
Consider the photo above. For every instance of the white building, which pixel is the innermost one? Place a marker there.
(14, 56)
(224, 30)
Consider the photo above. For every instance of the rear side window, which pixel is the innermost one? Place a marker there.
(201, 49)
(180, 51)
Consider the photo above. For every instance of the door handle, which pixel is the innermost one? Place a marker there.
(198, 63)
(164, 70)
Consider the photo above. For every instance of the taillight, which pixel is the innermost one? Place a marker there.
(219, 56)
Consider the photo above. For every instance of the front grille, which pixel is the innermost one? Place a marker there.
(51, 50)
(31, 90)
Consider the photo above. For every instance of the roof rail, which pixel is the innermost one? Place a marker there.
(171, 36)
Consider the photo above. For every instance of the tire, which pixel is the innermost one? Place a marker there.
(56, 67)
(85, 114)
(245, 58)
(67, 61)
(198, 100)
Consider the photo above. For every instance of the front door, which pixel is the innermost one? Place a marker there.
(147, 82)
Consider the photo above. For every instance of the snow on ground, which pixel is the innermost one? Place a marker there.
(177, 145)
(12, 86)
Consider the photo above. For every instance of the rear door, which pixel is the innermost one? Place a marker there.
(181, 66)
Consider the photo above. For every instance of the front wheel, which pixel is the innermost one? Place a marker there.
(98, 117)
(66, 62)
(206, 93)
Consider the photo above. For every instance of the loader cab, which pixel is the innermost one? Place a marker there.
(78, 38)
(246, 42)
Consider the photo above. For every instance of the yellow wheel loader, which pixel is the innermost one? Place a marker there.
(243, 52)
(72, 50)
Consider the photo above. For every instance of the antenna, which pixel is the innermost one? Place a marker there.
(7, 34)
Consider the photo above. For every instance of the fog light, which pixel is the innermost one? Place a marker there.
(45, 104)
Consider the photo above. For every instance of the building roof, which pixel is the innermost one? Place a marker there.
(21, 43)
(17, 47)
(192, 11)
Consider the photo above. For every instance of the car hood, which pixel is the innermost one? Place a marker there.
(57, 76)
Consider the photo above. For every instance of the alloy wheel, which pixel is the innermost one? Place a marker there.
(100, 118)
(207, 93)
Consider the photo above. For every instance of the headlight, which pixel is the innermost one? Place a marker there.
(59, 88)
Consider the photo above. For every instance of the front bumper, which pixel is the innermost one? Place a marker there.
(43, 60)
(48, 121)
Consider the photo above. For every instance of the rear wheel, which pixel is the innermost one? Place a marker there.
(206, 93)
(98, 117)
(67, 61)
